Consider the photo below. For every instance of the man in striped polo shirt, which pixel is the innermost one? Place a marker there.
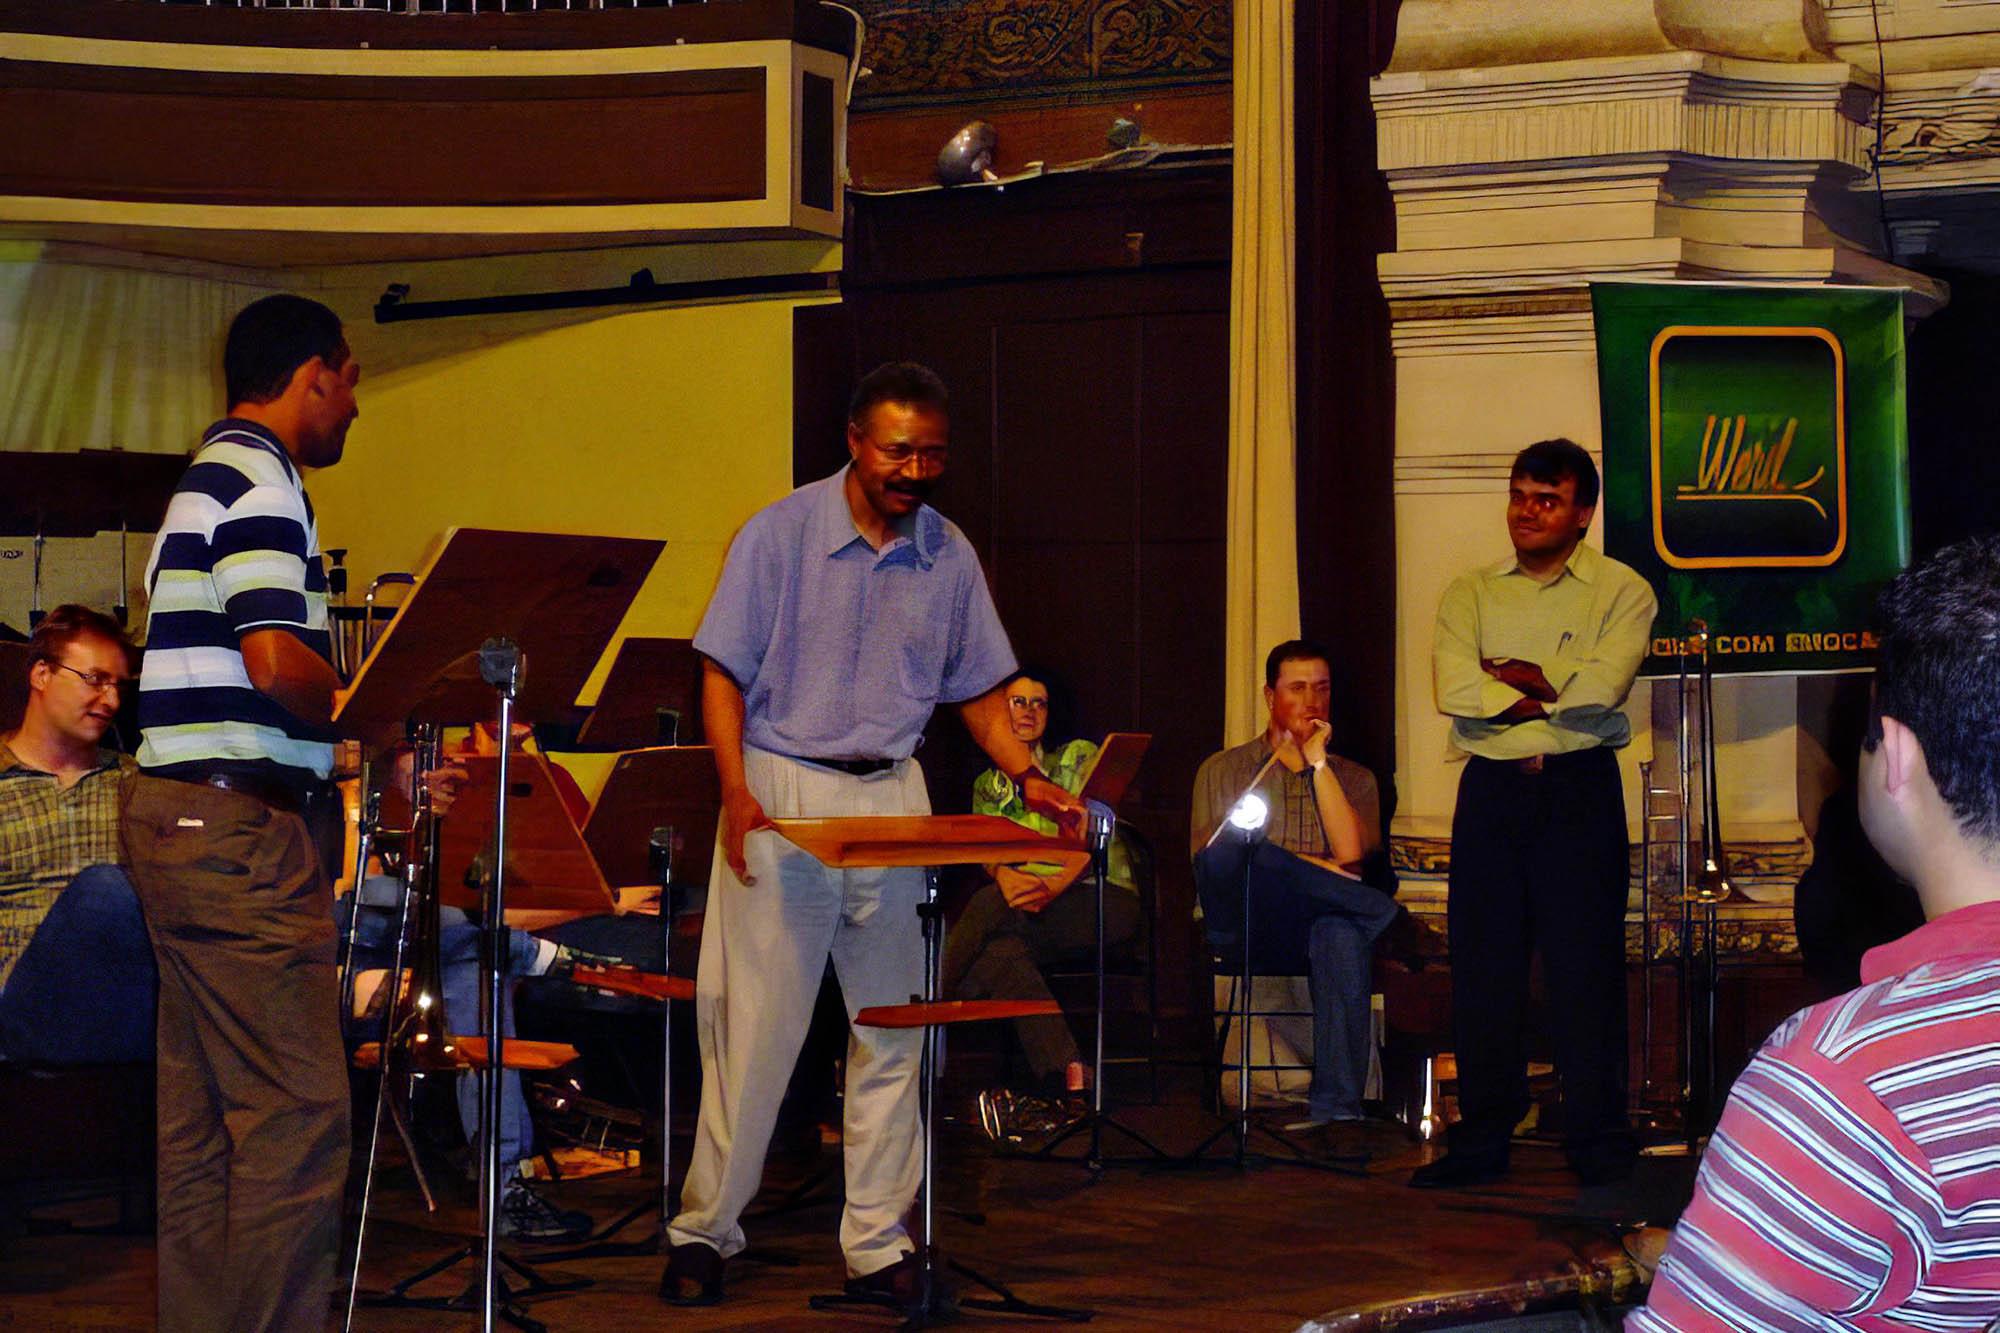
(1854, 1181)
(228, 836)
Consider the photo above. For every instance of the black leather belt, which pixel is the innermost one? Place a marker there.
(292, 796)
(1542, 763)
(860, 768)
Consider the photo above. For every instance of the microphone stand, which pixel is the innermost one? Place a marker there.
(1102, 823)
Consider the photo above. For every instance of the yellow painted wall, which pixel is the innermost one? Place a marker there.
(673, 423)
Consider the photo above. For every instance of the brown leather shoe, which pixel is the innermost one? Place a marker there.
(693, 1275)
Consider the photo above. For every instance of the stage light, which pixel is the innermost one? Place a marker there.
(968, 155)
(1250, 813)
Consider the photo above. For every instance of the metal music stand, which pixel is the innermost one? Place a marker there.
(84, 493)
(655, 803)
(1117, 763)
(652, 696)
(455, 654)
(930, 841)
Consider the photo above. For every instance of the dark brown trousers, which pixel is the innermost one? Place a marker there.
(253, 1102)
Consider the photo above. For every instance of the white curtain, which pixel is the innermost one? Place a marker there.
(1262, 606)
(101, 357)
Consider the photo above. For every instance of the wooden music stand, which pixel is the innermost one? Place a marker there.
(925, 840)
(559, 597)
(673, 788)
(549, 868)
(664, 786)
(652, 696)
(513, 623)
(932, 841)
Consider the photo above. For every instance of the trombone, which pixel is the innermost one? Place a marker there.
(1701, 882)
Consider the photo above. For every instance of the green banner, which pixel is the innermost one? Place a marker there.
(1755, 467)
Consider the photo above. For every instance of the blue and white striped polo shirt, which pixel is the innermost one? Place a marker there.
(238, 552)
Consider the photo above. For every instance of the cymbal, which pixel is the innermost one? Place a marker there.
(937, 1013)
(631, 981)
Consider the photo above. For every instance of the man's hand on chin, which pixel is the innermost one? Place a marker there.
(1314, 748)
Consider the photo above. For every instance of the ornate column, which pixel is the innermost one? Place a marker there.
(1531, 149)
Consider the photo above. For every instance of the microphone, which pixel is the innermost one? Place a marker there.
(1099, 821)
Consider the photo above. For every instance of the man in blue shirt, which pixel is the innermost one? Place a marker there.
(845, 614)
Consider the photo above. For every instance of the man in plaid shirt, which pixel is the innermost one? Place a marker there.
(76, 970)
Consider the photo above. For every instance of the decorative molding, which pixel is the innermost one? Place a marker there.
(1453, 474)
(1691, 105)
(1757, 929)
(1471, 333)
(1460, 34)
(927, 49)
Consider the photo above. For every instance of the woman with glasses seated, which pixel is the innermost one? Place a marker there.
(1026, 921)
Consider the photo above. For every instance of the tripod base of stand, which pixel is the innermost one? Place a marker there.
(1095, 1124)
(932, 1307)
(601, 1245)
(468, 1301)
(1242, 1129)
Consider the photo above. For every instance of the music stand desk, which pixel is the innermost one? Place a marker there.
(549, 866)
(559, 597)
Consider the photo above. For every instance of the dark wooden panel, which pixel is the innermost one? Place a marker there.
(1184, 409)
(1068, 224)
(1068, 465)
(548, 29)
(822, 380)
(170, 136)
(816, 154)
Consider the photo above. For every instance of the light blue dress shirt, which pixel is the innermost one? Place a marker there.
(843, 651)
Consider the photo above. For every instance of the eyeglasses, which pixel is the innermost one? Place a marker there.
(900, 453)
(100, 682)
(1022, 701)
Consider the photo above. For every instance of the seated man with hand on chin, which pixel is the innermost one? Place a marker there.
(1309, 910)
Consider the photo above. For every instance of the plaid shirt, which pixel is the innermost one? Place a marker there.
(1294, 820)
(47, 835)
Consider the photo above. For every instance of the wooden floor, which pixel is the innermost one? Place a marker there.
(1211, 1247)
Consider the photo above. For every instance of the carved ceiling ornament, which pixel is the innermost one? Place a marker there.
(1476, 34)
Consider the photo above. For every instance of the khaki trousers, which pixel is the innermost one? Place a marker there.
(253, 1101)
(764, 948)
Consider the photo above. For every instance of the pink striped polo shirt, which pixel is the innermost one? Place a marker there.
(1854, 1181)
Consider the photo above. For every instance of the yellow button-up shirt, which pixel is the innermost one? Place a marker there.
(1587, 629)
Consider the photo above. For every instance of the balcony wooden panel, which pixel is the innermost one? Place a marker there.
(272, 136)
(173, 135)
(803, 21)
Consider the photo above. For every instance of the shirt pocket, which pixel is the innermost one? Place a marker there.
(920, 630)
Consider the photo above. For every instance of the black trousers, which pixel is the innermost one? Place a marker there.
(997, 952)
(1539, 864)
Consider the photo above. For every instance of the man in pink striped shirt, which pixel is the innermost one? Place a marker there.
(1854, 1181)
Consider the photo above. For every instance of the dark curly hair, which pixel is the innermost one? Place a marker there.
(1937, 671)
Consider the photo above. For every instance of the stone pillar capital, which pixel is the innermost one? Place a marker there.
(1472, 34)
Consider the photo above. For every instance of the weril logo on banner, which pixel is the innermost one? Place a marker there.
(1749, 447)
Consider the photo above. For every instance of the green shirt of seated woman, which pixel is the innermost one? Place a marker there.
(1032, 885)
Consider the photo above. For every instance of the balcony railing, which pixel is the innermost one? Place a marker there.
(445, 6)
